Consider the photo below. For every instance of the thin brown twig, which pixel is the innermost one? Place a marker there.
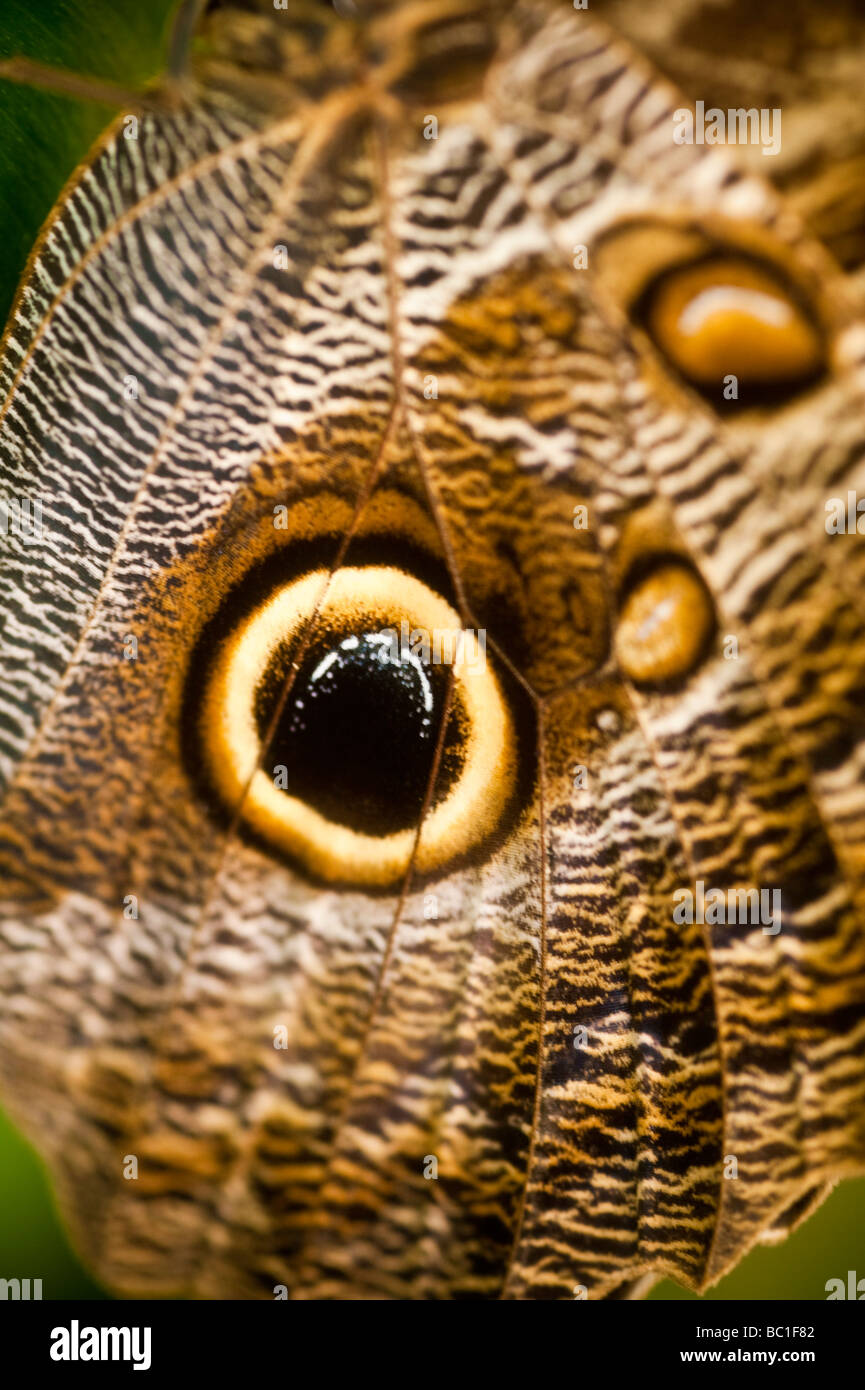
(84, 86)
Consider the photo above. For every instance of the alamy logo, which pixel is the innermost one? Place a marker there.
(20, 1289)
(746, 906)
(76, 1343)
(845, 517)
(457, 647)
(21, 517)
(835, 1288)
(738, 126)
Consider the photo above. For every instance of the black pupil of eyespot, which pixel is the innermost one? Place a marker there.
(357, 734)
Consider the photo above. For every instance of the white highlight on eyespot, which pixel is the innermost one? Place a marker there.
(735, 299)
(362, 599)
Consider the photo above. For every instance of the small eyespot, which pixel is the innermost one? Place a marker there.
(665, 625)
(729, 317)
(318, 724)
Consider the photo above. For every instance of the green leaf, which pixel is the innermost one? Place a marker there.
(33, 1244)
(44, 136)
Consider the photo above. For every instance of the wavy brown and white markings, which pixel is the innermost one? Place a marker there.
(409, 1035)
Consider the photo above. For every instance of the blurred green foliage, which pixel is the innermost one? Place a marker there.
(825, 1247)
(43, 136)
(32, 1242)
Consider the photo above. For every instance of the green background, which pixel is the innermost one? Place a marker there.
(43, 136)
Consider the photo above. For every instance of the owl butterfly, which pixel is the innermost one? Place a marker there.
(342, 951)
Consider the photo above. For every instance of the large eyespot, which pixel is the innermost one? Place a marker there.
(666, 622)
(728, 317)
(319, 724)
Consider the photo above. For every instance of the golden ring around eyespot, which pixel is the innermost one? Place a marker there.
(665, 625)
(353, 600)
(727, 316)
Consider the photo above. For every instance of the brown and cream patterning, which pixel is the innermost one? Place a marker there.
(351, 974)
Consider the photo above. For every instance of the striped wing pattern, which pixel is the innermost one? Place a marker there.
(167, 381)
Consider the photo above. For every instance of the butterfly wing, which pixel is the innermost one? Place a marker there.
(515, 1073)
